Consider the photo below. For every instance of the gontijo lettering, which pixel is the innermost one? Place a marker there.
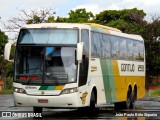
(128, 67)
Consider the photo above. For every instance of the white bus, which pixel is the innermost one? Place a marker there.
(66, 65)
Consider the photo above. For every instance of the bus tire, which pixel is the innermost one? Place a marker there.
(92, 102)
(37, 109)
(132, 104)
(128, 101)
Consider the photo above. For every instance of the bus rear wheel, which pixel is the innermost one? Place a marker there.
(130, 103)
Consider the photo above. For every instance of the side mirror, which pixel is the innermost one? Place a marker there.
(79, 51)
(7, 51)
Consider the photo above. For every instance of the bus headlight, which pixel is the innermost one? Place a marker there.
(69, 90)
(19, 90)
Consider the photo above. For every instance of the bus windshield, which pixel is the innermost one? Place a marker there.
(48, 65)
(48, 36)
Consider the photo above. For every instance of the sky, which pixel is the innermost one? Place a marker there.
(10, 8)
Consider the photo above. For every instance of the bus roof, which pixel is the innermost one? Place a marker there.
(90, 26)
(56, 25)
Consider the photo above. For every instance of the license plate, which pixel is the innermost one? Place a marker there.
(42, 101)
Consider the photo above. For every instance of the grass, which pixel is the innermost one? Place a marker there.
(153, 93)
(6, 91)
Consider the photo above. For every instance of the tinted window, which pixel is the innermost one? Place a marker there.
(122, 49)
(140, 50)
(106, 46)
(92, 46)
(114, 47)
(130, 49)
(135, 49)
(96, 44)
(97, 37)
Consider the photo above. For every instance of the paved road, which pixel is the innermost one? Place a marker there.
(146, 108)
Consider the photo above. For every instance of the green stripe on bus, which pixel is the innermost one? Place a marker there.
(109, 83)
(43, 88)
(47, 87)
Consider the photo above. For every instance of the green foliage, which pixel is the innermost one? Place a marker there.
(79, 16)
(9, 82)
(3, 41)
(127, 20)
(35, 19)
(9, 69)
(6, 67)
(50, 19)
(60, 19)
(128, 15)
(126, 27)
(152, 43)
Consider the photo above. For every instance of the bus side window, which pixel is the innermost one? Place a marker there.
(140, 51)
(130, 49)
(96, 39)
(114, 47)
(135, 49)
(96, 44)
(122, 49)
(93, 47)
(106, 46)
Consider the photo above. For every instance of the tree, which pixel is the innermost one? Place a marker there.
(29, 17)
(152, 45)
(127, 20)
(3, 41)
(6, 67)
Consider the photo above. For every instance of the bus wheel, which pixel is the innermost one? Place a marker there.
(128, 102)
(92, 102)
(37, 109)
(132, 104)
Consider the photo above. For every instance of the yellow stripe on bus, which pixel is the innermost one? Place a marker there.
(59, 87)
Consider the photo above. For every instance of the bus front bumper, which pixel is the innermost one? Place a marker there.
(72, 100)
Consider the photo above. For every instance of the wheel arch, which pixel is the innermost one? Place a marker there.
(135, 91)
(129, 88)
(94, 89)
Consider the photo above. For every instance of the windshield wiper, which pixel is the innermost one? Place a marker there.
(34, 72)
